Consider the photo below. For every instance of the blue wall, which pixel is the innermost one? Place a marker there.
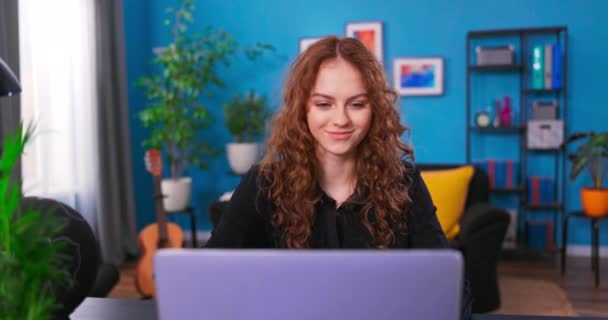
(411, 28)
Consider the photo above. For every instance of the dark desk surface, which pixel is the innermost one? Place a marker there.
(123, 309)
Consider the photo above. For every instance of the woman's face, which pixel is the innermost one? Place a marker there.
(339, 113)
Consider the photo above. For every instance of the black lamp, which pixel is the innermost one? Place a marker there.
(9, 85)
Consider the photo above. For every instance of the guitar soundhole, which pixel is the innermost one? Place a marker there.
(163, 244)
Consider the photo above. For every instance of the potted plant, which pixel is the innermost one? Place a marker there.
(186, 69)
(30, 264)
(245, 118)
(591, 155)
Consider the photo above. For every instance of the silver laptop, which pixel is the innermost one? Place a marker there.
(308, 284)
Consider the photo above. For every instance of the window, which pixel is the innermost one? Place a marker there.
(57, 53)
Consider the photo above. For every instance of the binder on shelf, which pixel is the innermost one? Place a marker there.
(538, 59)
(540, 191)
(540, 235)
(548, 66)
(506, 174)
(557, 66)
(501, 173)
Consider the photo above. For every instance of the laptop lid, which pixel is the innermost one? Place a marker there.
(308, 284)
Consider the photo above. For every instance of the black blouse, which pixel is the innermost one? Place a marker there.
(246, 223)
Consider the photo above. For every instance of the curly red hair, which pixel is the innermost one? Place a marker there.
(290, 165)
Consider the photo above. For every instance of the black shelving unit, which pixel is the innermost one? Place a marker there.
(522, 66)
(504, 67)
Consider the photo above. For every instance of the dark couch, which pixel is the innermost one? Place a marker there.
(483, 228)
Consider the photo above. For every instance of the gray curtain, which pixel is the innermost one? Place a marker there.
(116, 211)
(9, 52)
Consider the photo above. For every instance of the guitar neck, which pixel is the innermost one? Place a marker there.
(161, 217)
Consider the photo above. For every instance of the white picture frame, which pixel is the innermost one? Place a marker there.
(418, 76)
(307, 42)
(370, 33)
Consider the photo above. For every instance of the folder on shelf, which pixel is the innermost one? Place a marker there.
(548, 66)
(538, 60)
(557, 66)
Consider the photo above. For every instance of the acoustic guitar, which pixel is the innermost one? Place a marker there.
(156, 236)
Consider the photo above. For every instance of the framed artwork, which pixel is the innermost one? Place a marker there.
(307, 42)
(370, 33)
(418, 76)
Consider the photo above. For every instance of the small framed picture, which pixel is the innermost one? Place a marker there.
(418, 76)
(370, 33)
(307, 42)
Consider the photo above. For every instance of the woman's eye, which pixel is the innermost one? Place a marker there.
(323, 104)
(359, 104)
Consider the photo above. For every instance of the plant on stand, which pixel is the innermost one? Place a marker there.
(591, 155)
(186, 69)
(246, 119)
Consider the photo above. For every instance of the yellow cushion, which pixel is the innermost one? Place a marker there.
(449, 190)
(452, 233)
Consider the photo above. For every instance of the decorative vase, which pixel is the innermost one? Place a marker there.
(241, 156)
(176, 193)
(595, 202)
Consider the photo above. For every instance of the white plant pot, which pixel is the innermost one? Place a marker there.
(241, 156)
(177, 193)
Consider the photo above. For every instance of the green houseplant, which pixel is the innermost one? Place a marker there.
(592, 156)
(186, 69)
(245, 117)
(30, 264)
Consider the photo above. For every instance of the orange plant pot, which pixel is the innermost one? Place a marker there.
(595, 202)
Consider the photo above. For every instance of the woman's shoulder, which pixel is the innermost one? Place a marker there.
(411, 174)
(256, 183)
(253, 180)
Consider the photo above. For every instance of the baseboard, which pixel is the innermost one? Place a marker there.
(584, 251)
(201, 237)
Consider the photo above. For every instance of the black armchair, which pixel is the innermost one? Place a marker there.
(483, 229)
(90, 276)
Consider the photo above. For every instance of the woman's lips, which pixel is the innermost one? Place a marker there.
(340, 135)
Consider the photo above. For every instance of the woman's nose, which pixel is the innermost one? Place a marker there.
(341, 117)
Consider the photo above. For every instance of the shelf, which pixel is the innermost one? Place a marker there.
(541, 91)
(554, 150)
(498, 67)
(513, 129)
(507, 190)
(514, 32)
(554, 206)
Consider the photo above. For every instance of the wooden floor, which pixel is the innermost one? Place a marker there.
(578, 282)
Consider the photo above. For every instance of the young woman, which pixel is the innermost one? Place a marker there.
(336, 173)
